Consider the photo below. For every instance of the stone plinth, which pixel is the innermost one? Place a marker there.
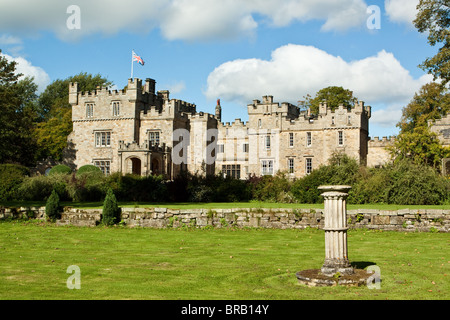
(336, 254)
(336, 269)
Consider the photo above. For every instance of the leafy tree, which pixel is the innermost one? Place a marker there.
(17, 113)
(55, 113)
(334, 96)
(433, 17)
(421, 145)
(432, 102)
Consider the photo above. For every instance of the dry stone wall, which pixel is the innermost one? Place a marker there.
(398, 220)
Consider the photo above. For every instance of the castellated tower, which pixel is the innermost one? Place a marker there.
(141, 131)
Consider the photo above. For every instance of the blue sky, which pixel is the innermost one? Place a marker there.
(236, 51)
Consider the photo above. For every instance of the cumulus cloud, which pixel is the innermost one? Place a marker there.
(296, 70)
(25, 67)
(177, 19)
(402, 11)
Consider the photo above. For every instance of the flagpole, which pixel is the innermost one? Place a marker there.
(131, 65)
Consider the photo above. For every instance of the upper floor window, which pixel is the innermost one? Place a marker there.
(89, 110)
(220, 148)
(267, 142)
(153, 137)
(245, 147)
(341, 138)
(103, 139)
(291, 139)
(116, 108)
(308, 139)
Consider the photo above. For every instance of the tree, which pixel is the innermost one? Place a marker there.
(55, 113)
(52, 207)
(431, 103)
(17, 114)
(434, 17)
(334, 96)
(111, 210)
(421, 146)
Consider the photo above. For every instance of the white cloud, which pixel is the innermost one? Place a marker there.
(402, 11)
(176, 87)
(295, 71)
(177, 19)
(41, 78)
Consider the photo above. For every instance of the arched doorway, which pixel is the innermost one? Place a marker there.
(155, 167)
(136, 166)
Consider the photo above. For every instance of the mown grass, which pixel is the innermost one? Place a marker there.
(210, 264)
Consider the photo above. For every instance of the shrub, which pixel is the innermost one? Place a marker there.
(11, 176)
(89, 168)
(270, 188)
(59, 169)
(111, 211)
(52, 207)
(40, 187)
(416, 184)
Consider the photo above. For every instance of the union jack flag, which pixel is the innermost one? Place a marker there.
(137, 58)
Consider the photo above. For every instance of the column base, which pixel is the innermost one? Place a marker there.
(333, 266)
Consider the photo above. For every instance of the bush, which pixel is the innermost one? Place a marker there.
(59, 169)
(271, 188)
(90, 169)
(111, 211)
(40, 187)
(11, 176)
(52, 207)
(416, 184)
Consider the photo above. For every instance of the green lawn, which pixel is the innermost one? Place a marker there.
(251, 264)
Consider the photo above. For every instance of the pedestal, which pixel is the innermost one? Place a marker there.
(336, 269)
(336, 254)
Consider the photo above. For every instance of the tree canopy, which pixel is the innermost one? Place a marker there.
(17, 115)
(433, 17)
(55, 113)
(333, 95)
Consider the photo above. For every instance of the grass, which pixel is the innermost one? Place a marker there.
(191, 264)
(223, 205)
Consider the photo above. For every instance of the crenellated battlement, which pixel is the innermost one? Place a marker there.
(380, 142)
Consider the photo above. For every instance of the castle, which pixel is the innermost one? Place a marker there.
(144, 132)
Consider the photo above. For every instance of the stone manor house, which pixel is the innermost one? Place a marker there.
(144, 132)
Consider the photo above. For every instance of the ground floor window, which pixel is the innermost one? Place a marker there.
(291, 165)
(232, 170)
(104, 165)
(267, 167)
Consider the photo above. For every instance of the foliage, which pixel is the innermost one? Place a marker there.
(430, 103)
(433, 18)
(137, 188)
(89, 168)
(55, 113)
(341, 170)
(39, 188)
(333, 95)
(271, 188)
(59, 169)
(416, 184)
(17, 106)
(52, 207)
(111, 210)
(11, 177)
(421, 146)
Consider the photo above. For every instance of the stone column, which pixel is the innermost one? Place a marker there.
(336, 255)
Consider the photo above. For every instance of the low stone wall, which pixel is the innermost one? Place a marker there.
(399, 220)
